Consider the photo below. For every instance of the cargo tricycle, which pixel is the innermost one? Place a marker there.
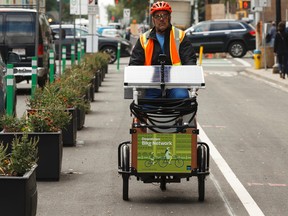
(163, 147)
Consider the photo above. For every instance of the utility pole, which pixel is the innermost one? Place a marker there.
(278, 11)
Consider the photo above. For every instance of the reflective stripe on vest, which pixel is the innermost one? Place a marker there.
(176, 37)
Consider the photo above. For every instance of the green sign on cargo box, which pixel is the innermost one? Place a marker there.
(164, 153)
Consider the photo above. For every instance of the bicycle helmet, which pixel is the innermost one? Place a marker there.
(160, 6)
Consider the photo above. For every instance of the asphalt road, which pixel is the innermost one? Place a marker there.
(245, 123)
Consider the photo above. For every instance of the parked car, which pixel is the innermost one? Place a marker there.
(105, 44)
(111, 33)
(99, 29)
(3, 95)
(18, 34)
(232, 36)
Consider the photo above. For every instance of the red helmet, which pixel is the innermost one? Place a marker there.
(160, 6)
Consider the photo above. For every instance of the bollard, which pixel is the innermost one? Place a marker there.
(79, 53)
(257, 59)
(63, 58)
(200, 55)
(34, 76)
(82, 49)
(118, 56)
(72, 54)
(10, 90)
(51, 66)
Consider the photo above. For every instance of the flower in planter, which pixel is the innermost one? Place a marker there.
(9, 123)
(50, 119)
(67, 92)
(22, 158)
(47, 120)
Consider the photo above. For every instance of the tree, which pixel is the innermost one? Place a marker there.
(139, 10)
(53, 5)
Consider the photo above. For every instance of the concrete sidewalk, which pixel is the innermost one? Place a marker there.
(268, 75)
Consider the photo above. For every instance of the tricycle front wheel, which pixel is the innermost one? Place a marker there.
(125, 178)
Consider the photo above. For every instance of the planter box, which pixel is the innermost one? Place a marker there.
(19, 194)
(106, 68)
(80, 118)
(103, 72)
(50, 150)
(69, 133)
(87, 96)
(97, 82)
(99, 72)
(92, 89)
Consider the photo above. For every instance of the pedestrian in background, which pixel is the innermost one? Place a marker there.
(270, 37)
(128, 33)
(281, 49)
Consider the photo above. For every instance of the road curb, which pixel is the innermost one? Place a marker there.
(268, 76)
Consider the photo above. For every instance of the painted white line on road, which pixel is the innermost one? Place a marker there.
(218, 65)
(222, 195)
(246, 199)
(243, 62)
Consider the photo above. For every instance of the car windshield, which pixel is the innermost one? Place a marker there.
(21, 25)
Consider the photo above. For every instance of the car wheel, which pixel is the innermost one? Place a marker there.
(111, 51)
(237, 49)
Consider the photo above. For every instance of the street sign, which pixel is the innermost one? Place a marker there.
(126, 13)
(73, 7)
(265, 3)
(255, 6)
(93, 8)
(78, 7)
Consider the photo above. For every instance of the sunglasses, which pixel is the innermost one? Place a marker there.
(159, 16)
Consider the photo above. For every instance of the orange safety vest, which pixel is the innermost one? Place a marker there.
(176, 37)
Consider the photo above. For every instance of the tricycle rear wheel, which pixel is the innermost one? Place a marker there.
(125, 167)
(202, 164)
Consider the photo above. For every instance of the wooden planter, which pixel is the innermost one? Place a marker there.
(69, 133)
(19, 194)
(50, 150)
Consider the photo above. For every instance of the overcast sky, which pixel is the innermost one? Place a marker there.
(102, 11)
